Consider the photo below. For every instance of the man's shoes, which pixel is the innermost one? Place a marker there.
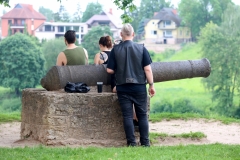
(132, 145)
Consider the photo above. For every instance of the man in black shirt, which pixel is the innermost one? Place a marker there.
(131, 64)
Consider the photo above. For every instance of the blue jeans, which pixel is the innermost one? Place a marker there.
(139, 99)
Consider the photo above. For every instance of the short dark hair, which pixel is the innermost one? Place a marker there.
(70, 36)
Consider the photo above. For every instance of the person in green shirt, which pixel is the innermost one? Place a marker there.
(72, 55)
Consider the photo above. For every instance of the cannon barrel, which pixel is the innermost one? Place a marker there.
(57, 77)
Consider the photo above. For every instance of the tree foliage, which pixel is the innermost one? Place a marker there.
(121, 4)
(90, 40)
(62, 15)
(51, 49)
(77, 16)
(91, 9)
(48, 13)
(220, 44)
(21, 62)
(145, 11)
(196, 14)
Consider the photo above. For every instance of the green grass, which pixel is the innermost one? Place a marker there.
(158, 117)
(192, 135)
(180, 152)
(10, 117)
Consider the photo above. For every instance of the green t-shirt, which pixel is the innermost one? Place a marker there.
(75, 56)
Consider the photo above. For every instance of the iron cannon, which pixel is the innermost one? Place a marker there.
(57, 77)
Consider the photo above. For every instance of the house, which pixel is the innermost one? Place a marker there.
(20, 17)
(109, 19)
(51, 30)
(164, 27)
(24, 16)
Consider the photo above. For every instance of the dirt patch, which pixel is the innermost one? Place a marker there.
(216, 133)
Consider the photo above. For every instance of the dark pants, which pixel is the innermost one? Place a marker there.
(139, 99)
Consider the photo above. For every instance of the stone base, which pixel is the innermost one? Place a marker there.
(60, 118)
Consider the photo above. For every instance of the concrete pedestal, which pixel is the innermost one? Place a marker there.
(60, 118)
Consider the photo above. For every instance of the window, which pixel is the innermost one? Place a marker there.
(167, 23)
(154, 32)
(48, 28)
(22, 22)
(60, 29)
(68, 28)
(10, 22)
(180, 33)
(167, 33)
(81, 29)
(152, 22)
(21, 30)
(103, 23)
(76, 28)
(187, 33)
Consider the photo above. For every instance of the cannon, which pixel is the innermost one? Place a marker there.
(57, 77)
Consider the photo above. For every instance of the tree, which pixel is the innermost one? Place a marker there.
(48, 13)
(22, 66)
(145, 11)
(140, 29)
(148, 7)
(121, 4)
(51, 49)
(62, 15)
(220, 44)
(91, 9)
(9, 31)
(90, 40)
(196, 13)
(77, 16)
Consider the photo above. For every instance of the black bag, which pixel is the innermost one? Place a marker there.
(78, 87)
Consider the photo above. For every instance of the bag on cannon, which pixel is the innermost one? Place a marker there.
(78, 87)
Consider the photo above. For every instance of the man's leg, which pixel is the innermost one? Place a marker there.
(127, 112)
(140, 103)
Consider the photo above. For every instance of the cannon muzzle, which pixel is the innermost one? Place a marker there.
(57, 77)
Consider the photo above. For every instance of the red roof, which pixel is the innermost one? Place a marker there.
(24, 11)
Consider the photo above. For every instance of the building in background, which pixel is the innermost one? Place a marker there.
(165, 28)
(108, 19)
(21, 17)
(51, 30)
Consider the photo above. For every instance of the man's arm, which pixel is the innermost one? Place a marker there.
(110, 71)
(149, 75)
(61, 59)
(86, 55)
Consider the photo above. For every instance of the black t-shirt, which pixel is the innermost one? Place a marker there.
(130, 87)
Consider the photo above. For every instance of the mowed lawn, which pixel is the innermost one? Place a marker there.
(180, 152)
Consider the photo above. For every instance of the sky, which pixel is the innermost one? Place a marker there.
(71, 5)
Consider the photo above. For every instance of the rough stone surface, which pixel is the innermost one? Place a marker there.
(60, 118)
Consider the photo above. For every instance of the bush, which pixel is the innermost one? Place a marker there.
(168, 53)
(236, 114)
(184, 106)
(179, 106)
(164, 106)
(11, 105)
(152, 54)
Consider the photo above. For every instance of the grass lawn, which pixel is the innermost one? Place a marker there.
(191, 152)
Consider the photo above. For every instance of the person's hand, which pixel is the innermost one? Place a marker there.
(151, 91)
